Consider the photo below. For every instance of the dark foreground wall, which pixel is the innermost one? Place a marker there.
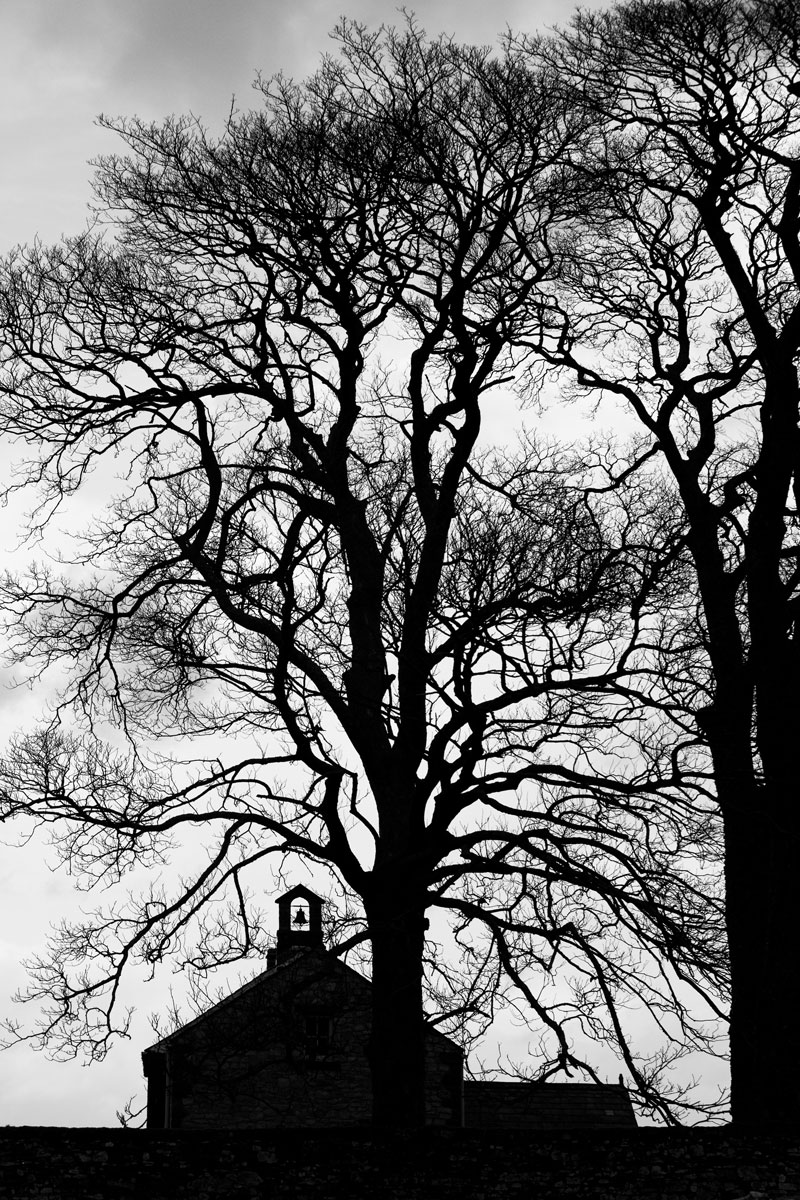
(648, 1164)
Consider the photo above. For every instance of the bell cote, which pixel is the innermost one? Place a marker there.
(299, 923)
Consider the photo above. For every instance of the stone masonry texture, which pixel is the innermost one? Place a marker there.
(243, 1064)
(643, 1164)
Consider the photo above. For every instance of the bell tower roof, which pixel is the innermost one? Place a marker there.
(299, 892)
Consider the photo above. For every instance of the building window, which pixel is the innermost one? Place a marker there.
(318, 1036)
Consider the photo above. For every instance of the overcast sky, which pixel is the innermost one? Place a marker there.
(64, 62)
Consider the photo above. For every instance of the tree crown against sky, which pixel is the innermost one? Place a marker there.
(431, 663)
(680, 298)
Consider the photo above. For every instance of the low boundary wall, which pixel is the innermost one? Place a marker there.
(645, 1164)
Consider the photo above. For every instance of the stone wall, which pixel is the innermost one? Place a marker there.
(246, 1062)
(646, 1164)
(537, 1107)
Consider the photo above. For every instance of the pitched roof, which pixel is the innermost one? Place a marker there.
(291, 959)
(299, 890)
(249, 986)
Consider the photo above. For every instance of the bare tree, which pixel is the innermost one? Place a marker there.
(680, 300)
(420, 656)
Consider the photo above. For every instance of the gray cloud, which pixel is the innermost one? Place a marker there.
(66, 63)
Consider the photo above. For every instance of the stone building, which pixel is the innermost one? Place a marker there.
(288, 1049)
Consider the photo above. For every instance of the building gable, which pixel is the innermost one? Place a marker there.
(290, 1048)
(287, 1048)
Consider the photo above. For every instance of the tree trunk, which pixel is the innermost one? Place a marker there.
(756, 692)
(762, 889)
(397, 1044)
(762, 894)
(762, 827)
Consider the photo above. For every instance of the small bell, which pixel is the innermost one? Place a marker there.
(300, 917)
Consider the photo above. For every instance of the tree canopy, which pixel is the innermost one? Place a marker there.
(515, 683)
(680, 298)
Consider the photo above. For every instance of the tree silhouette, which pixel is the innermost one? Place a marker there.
(423, 658)
(680, 299)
